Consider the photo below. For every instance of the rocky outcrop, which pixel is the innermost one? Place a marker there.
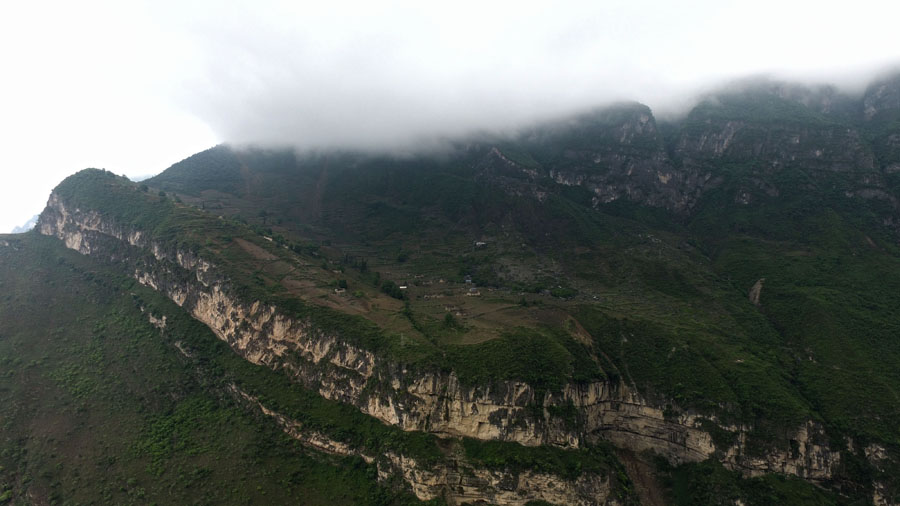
(808, 456)
(422, 400)
(771, 146)
(882, 98)
(881, 108)
(615, 153)
(824, 99)
(748, 134)
(455, 480)
(756, 291)
(434, 401)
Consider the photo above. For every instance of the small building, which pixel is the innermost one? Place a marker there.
(473, 292)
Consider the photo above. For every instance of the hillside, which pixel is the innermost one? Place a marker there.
(100, 407)
(603, 309)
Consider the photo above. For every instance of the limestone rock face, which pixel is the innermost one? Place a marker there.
(881, 107)
(737, 149)
(882, 97)
(457, 481)
(615, 153)
(432, 401)
(773, 147)
(750, 135)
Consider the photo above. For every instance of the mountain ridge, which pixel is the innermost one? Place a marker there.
(716, 292)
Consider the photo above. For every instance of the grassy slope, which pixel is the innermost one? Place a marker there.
(662, 300)
(166, 422)
(680, 325)
(831, 279)
(709, 483)
(96, 408)
(219, 241)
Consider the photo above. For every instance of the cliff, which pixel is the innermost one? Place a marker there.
(619, 267)
(419, 400)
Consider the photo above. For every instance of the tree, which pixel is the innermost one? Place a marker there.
(391, 288)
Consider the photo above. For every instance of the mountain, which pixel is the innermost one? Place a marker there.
(601, 309)
(27, 226)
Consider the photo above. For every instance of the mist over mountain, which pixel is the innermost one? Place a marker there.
(397, 77)
(597, 307)
(404, 126)
(503, 253)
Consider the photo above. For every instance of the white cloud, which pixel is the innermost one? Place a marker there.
(85, 84)
(374, 74)
(136, 86)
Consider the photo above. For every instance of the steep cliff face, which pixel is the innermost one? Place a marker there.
(722, 131)
(432, 401)
(881, 107)
(824, 99)
(457, 481)
(798, 186)
(754, 131)
(882, 98)
(615, 153)
(756, 135)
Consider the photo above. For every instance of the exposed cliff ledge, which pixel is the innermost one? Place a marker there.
(420, 400)
(456, 481)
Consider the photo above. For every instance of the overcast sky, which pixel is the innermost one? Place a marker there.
(136, 86)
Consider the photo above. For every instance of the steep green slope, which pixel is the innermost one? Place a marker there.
(97, 408)
(264, 270)
(695, 336)
(171, 225)
(737, 271)
(663, 296)
(710, 484)
(831, 281)
(653, 239)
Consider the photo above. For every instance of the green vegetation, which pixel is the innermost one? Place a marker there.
(568, 463)
(672, 323)
(546, 358)
(596, 248)
(711, 484)
(392, 289)
(278, 392)
(218, 166)
(346, 423)
(185, 433)
(96, 408)
(759, 107)
(540, 359)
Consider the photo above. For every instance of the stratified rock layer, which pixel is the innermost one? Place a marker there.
(415, 400)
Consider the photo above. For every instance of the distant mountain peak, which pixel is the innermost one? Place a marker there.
(27, 226)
